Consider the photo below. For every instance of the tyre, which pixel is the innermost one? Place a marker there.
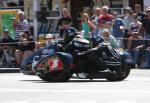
(121, 72)
(125, 72)
(55, 68)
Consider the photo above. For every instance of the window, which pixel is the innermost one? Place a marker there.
(12, 4)
(116, 5)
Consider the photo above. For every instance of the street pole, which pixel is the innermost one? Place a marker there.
(36, 8)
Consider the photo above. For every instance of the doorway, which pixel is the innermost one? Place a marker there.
(77, 8)
(133, 2)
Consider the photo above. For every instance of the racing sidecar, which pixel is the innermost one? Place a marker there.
(53, 63)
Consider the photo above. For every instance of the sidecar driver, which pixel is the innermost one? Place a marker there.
(69, 34)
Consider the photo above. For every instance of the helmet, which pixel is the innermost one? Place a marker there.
(69, 34)
(97, 40)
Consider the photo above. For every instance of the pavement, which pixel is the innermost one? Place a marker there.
(9, 70)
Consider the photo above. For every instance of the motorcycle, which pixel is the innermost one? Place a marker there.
(58, 63)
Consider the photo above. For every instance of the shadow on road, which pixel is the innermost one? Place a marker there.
(70, 81)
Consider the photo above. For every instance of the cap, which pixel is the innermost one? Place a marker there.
(148, 8)
(105, 34)
(49, 36)
(105, 31)
(128, 9)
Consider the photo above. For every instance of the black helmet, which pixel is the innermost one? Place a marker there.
(97, 40)
(69, 34)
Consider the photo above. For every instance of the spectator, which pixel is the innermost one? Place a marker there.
(127, 21)
(7, 47)
(143, 55)
(95, 19)
(136, 25)
(64, 21)
(21, 24)
(37, 46)
(118, 26)
(110, 39)
(133, 44)
(49, 39)
(105, 19)
(141, 15)
(6, 42)
(7, 39)
(87, 26)
(144, 50)
(146, 24)
(26, 46)
(97, 13)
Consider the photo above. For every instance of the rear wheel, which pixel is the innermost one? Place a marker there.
(55, 68)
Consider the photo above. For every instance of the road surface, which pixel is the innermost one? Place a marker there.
(19, 88)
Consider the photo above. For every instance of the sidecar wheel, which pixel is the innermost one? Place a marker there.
(55, 77)
(59, 75)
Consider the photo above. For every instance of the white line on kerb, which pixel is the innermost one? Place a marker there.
(73, 91)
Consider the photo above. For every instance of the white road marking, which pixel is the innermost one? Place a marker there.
(16, 102)
(123, 101)
(74, 91)
(50, 102)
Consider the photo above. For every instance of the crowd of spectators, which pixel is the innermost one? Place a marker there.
(22, 45)
(130, 31)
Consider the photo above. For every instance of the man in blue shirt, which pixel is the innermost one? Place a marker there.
(118, 25)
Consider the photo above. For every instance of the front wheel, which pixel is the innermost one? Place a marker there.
(54, 68)
(121, 73)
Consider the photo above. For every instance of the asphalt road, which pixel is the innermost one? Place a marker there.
(19, 88)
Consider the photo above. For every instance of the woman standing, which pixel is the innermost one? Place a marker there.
(87, 27)
(135, 26)
(127, 21)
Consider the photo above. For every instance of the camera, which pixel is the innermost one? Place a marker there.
(13, 18)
